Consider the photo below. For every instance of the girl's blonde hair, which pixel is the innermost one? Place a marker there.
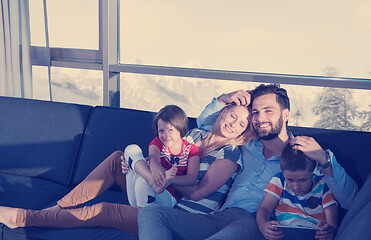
(245, 136)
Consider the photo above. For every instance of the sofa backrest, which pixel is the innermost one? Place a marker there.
(110, 129)
(40, 138)
(64, 142)
(352, 149)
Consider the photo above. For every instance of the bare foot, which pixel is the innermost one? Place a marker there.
(8, 216)
(158, 189)
(170, 174)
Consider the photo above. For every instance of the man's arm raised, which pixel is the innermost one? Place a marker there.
(211, 111)
(342, 186)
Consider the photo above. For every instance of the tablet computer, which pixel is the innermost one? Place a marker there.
(297, 232)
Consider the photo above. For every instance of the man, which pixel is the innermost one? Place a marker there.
(261, 158)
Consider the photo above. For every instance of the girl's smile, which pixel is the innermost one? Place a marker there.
(169, 136)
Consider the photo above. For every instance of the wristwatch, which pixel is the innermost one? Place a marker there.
(327, 164)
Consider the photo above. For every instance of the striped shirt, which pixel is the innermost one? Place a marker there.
(212, 202)
(300, 210)
(168, 159)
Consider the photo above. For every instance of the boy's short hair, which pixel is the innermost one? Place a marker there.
(281, 94)
(295, 160)
(175, 116)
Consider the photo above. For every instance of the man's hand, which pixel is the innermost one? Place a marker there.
(310, 148)
(239, 97)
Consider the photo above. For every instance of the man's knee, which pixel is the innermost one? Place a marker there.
(237, 224)
(152, 213)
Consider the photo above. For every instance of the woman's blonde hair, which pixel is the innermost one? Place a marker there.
(245, 136)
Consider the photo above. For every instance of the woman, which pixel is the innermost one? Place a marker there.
(220, 161)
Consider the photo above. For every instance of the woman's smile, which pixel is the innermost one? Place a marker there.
(228, 129)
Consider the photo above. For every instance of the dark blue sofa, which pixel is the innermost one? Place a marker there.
(46, 148)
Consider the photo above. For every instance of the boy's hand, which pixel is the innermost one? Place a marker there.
(327, 232)
(269, 231)
(240, 97)
(124, 166)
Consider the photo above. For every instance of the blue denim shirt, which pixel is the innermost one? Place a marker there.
(247, 189)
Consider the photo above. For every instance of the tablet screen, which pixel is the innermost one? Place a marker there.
(295, 232)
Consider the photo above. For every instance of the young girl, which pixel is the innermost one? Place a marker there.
(181, 160)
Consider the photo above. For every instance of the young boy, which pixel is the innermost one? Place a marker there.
(298, 197)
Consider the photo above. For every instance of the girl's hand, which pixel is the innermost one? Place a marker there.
(124, 166)
(170, 175)
(159, 176)
(327, 232)
(269, 231)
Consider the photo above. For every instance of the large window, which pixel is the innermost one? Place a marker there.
(186, 52)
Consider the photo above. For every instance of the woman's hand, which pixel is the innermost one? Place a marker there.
(327, 232)
(124, 166)
(239, 97)
(269, 231)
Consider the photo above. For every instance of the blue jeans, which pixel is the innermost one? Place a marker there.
(163, 223)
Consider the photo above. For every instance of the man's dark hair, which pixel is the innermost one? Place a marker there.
(295, 160)
(281, 94)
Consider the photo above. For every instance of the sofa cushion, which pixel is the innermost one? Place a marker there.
(40, 138)
(27, 192)
(110, 129)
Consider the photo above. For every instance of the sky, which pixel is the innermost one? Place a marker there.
(286, 37)
(289, 37)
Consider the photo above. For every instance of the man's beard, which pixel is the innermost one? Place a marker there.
(273, 133)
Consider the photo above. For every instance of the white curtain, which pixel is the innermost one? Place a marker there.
(15, 65)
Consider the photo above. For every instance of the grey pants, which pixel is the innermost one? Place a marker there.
(166, 223)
